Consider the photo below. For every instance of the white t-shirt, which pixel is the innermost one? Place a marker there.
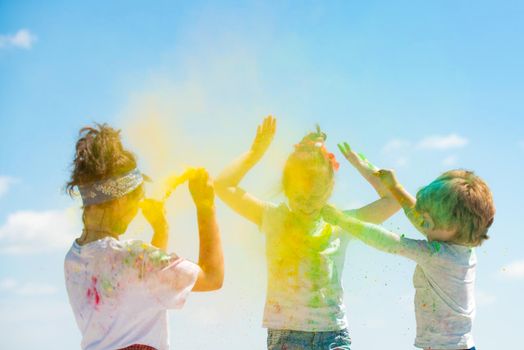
(444, 282)
(304, 290)
(120, 292)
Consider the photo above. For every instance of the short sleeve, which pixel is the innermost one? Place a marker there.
(273, 217)
(419, 250)
(167, 278)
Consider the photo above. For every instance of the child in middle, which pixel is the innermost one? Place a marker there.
(305, 255)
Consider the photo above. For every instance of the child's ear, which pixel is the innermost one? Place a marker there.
(428, 223)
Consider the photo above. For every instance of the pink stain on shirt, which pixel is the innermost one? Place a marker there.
(93, 292)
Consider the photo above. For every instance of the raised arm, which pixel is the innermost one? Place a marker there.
(155, 214)
(210, 260)
(210, 257)
(227, 182)
(383, 208)
(402, 196)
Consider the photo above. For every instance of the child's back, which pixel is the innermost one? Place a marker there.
(444, 281)
(120, 291)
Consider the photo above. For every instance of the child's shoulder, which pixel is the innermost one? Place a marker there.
(452, 254)
(276, 210)
(134, 246)
(274, 216)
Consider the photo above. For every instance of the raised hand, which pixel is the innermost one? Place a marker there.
(387, 177)
(154, 212)
(201, 188)
(356, 159)
(265, 133)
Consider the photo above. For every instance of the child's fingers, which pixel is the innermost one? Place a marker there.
(267, 122)
(342, 149)
(380, 173)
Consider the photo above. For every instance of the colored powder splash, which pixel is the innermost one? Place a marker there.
(106, 285)
(170, 129)
(173, 181)
(92, 293)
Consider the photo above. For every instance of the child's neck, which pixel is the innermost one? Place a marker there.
(306, 220)
(98, 224)
(93, 234)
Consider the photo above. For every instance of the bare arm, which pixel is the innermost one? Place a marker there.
(210, 258)
(160, 238)
(227, 182)
(154, 212)
(380, 238)
(378, 211)
(402, 197)
(382, 209)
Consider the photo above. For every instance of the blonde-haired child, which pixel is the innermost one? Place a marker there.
(304, 306)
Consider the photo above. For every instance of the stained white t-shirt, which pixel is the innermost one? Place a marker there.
(444, 282)
(120, 292)
(304, 290)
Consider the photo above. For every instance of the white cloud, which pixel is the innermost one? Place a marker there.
(450, 160)
(22, 39)
(5, 184)
(27, 232)
(401, 161)
(12, 286)
(439, 142)
(396, 145)
(398, 150)
(514, 270)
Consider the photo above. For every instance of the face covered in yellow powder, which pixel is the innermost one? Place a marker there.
(308, 188)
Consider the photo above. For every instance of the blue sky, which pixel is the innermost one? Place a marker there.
(417, 86)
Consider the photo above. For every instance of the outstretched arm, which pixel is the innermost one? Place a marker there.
(227, 182)
(378, 237)
(402, 196)
(382, 209)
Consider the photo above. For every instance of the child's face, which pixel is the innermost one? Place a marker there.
(308, 192)
(428, 228)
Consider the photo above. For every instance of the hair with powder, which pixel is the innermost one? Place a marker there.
(99, 154)
(462, 200)
(310, 156)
